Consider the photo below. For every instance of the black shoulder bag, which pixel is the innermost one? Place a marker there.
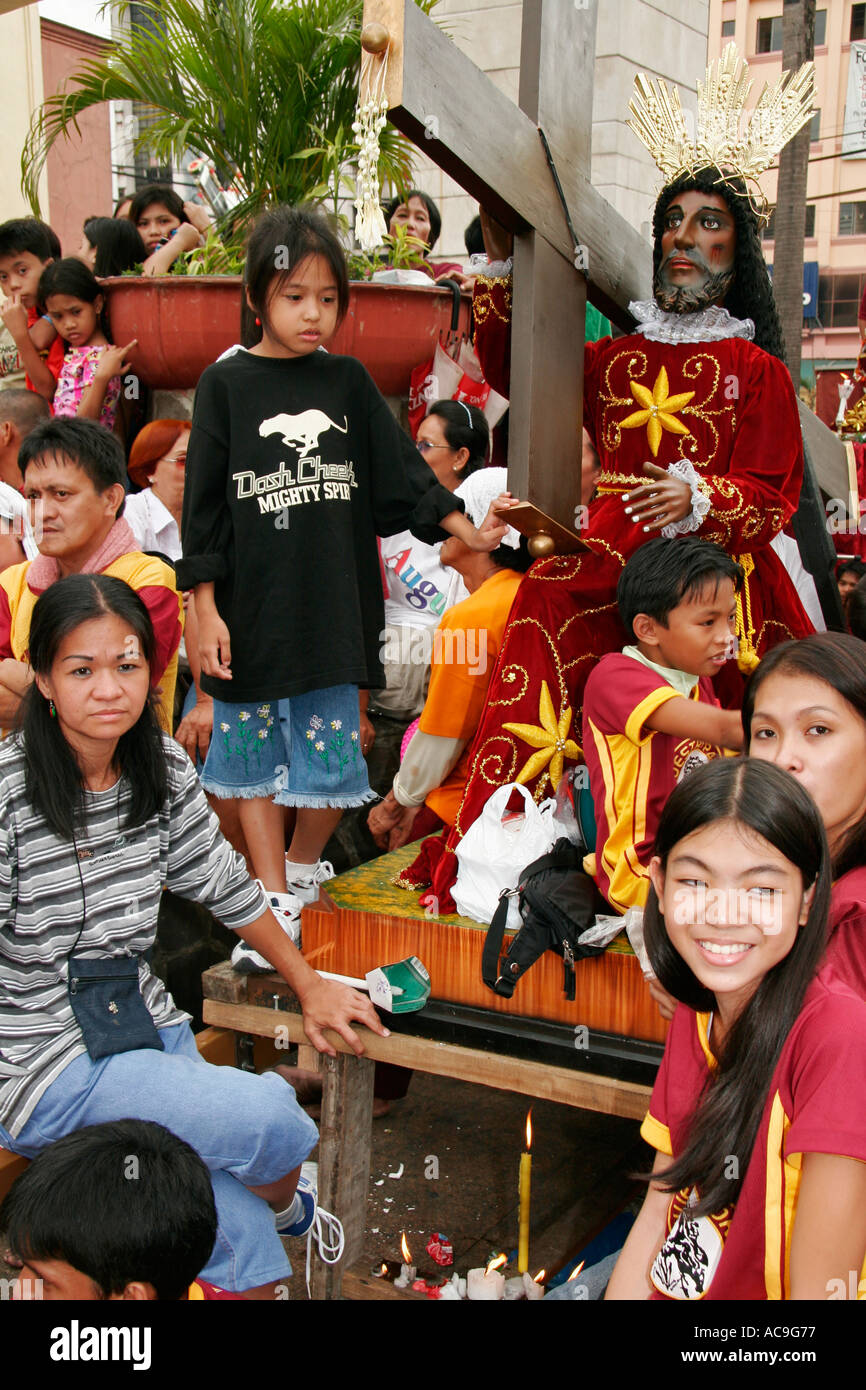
(105, 997)
(557, 901)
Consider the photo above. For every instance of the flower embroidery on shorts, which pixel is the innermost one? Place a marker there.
(246, 738)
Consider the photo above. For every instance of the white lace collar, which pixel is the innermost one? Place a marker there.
(708, 325)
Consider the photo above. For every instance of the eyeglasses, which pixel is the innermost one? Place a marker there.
(424, 446)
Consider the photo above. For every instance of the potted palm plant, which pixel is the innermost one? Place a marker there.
(263, 90)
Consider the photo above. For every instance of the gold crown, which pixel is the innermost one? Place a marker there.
(783, 108)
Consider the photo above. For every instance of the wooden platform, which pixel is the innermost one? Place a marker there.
(362, 920)
(263, 1006)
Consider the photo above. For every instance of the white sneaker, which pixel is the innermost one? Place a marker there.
(286, 907)
(307, 887)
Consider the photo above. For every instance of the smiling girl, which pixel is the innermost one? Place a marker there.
(759, 1185)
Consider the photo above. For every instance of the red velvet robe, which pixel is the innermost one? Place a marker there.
(732, 414)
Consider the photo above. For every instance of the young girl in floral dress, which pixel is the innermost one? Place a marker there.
(90, 379)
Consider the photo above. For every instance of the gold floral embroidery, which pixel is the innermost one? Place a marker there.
(485, 302)
(549, 737)
(658, 410)
(629, 366)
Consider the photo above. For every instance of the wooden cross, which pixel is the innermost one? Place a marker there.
(442, 102)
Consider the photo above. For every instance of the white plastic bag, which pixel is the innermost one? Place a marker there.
(491, 856)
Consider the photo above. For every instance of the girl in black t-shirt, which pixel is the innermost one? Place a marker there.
(295, 464)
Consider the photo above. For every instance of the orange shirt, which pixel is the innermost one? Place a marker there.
(465, 647)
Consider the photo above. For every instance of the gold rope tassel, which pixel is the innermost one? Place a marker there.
(747, 656)
(372, 112)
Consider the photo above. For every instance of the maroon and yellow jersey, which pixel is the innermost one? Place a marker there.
(632, 770)
(153, 581)
(816, 1104)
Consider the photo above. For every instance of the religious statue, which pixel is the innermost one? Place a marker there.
(695, 422)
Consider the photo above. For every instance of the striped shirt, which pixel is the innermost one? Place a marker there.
(124, 872)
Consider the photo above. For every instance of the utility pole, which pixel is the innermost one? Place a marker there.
(798, 47)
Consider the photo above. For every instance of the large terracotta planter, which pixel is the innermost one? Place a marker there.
(183, 323)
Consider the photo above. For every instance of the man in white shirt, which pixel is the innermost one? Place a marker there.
(20, 412)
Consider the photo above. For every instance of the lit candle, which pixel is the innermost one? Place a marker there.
(406, 1277)
(523, 1188)
(487, 1285)
(534, 1288)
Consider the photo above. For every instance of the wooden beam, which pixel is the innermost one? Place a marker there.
(471, 129)
(580, 1089)
(345, 1134)
(544, 434)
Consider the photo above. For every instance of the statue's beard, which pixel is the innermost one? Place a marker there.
(689, 299)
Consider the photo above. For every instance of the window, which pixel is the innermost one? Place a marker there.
(769, 233)
(852, 219)
(815, 128)
(769, 35)
(858, 23)
(839, 300)
(728, 28)
(770, 31)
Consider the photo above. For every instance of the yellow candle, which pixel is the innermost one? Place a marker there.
(524, 1185)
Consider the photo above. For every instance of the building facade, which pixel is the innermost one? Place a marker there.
(667, 41)
(835, 229)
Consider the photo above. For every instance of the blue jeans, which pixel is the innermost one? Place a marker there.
(305, 751)
(248, 1129)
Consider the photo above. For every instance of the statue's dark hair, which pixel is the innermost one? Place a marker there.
(751, 295)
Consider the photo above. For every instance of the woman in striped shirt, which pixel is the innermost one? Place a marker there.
(99, 811)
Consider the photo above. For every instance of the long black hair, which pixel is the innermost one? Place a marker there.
(53, 778)
(117, 243)
(772, 804)
(751, 294)
(839, 660)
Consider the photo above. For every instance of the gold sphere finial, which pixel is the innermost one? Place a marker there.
(375, 38)
(541, 545)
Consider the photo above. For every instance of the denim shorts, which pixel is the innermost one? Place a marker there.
(249, 1130)
(304, 751)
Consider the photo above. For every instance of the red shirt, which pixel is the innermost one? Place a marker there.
(816, 1104)
(55, 354)
(846, 930)
(632, 770)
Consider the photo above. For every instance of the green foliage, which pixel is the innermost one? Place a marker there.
(401, 252)
(265, 89)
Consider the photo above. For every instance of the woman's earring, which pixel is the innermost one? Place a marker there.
(52, 709)
(258, 323)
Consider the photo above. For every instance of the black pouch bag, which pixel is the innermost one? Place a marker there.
(557, 902)
(106, 1000)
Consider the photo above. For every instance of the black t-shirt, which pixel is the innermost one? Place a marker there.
(294, 466)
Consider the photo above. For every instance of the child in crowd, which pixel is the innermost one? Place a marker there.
(650, 715)
(122, 1210)
(110, 246)
(160, 215)
(848, 575)
(758, 1190)
(295, 464)
(27, 246)
(90, 379)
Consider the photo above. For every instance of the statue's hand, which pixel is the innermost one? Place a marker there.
(659, 503)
